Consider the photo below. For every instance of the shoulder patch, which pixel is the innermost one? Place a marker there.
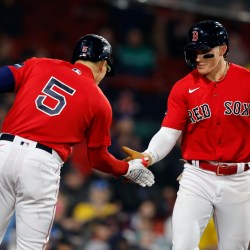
(77, 71)
(18, 65)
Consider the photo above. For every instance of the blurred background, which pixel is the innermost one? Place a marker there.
(97, 211)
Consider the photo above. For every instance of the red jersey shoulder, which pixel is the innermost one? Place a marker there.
(35, 61)
(188, 82)
(104, 102)
(235, 68)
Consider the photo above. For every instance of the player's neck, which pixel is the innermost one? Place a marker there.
(220, 74)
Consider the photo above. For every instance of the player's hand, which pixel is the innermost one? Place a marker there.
(135, 155)
(138, 173)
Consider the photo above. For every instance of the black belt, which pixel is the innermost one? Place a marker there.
(9, 137)
(220, 168)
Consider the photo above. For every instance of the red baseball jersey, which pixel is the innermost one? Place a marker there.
(58, 104)
(214, 116)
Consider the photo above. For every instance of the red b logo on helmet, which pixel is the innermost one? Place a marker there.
(84, 49)
(195, 36)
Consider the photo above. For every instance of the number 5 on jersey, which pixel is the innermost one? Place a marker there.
(50, 92)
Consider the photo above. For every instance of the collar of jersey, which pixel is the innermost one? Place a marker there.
(84, 69)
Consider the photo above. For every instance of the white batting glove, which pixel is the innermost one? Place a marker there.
(138, 173)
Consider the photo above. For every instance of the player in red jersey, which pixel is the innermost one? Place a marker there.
(210, 108)
(58, 104)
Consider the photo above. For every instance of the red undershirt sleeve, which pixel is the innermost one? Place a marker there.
(102, 160)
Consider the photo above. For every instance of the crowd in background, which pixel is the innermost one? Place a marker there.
(96, 211)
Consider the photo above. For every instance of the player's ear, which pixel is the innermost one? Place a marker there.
(223, 49)
(100, 66)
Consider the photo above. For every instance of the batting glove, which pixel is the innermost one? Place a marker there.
(138, 173)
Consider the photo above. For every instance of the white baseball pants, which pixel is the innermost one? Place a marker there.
(203, 194)
(29, 184)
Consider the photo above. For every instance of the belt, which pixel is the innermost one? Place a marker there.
(9, 137)
(221, 168)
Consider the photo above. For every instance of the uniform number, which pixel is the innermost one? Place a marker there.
(49, 91)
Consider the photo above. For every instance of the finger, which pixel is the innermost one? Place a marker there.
(126, 150)
(142, 184)
(132, 153)
(149, 181)
(149, 184)
(129, 158)
(149, 174)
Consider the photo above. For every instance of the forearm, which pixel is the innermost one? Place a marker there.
(162, 143)
(102, 160)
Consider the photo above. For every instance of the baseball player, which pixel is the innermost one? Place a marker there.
(57, 104)
(210, 109)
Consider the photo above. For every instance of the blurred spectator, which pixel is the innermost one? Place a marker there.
(108, 33)
(169, 196)
(167, 171)
(135, 56)
(99, 236)
(125, 15)
(11, 17)
(73, 186)
(3, 112)
(64, 227)
(6, 49)
(64, 244)
(176, 30)
(148, 227)
(36, 51)
(126, 105)
(6, 101)
(121, 244)
(98, 203)
(123, 134)
(146, 217)
(238, 51)
(125, 110)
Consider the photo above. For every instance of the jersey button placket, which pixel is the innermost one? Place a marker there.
(215, 93)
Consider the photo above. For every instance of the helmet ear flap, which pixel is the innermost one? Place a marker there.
(190, 58)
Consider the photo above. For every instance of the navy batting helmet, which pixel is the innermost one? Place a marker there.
(94, 48)
(205, 35)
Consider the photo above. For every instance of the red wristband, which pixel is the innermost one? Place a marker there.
(144, 161)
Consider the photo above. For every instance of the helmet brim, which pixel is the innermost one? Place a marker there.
(197, 46)
(111, 72)
(111, 66)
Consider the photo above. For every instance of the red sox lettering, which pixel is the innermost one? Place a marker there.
(199, 113)
(202, 112)
(236, 108)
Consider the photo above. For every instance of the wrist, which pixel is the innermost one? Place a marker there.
(122, 170)
(153, 156)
